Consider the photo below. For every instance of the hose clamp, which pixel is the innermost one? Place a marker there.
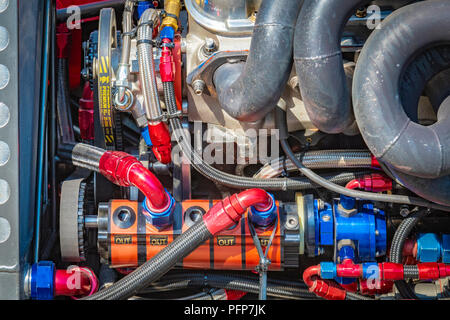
(164, 117)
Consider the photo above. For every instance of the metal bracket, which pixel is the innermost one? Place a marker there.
(205, 71)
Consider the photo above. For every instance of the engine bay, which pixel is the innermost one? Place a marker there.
(242, 149)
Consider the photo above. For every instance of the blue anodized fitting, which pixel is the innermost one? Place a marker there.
(146, 135)
(366, 228)
(167, 33)
(328, 270)
(445, 248)
(428, 247)
(264, 219)
(160, 220)
(142, 6)
(42, 280)
(348, 219)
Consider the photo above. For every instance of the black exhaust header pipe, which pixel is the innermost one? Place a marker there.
(319, 63)
(419, 156)
(248, 91)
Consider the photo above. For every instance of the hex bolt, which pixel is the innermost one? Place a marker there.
(361, 12)
(210, 46)
(293, 82)
(404, 211)
(291, 223)
(198, 86)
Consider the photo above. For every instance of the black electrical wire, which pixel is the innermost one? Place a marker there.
(396, 256)
(355, 296)
(280, 119)
(230, 281)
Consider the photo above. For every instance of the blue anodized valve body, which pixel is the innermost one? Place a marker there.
(351, 219)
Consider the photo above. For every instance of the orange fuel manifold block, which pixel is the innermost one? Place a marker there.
(127, 239)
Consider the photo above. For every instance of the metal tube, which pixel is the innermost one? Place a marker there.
(124, 66)
(147, 77)
(91, 221)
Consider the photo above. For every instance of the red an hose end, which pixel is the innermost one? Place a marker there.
(323, 288)
(229, 211)
(328, 290)
(76, 281)
(373, 183)
(166, 64)
(160, 136)
(125, 170)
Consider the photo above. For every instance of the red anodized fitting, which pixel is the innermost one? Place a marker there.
(374, 182)
(349, 269)
(374, 163)
(160, 137)
(229, 211)
(125, 170)
(166, 64)
(375, 287)
(78, 281)
(323, 288)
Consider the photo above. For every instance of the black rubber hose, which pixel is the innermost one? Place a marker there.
(65, 130)
(281, 123)
(248, 91)
(230, 180)
(231, 281)
(355, 296)
(81, 155)
(156, 267)
(319, 63)
(393, 137)
(88, 10)
(395, 255)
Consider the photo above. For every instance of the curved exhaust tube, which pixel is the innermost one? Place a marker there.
(248, 91)
(319, 63)
(419, 156)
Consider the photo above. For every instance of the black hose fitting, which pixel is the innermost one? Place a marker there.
(247, 92)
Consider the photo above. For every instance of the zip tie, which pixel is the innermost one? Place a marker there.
(145, 23)
(164, 117)
(284, 186)
(284, 172)
(165, 14)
